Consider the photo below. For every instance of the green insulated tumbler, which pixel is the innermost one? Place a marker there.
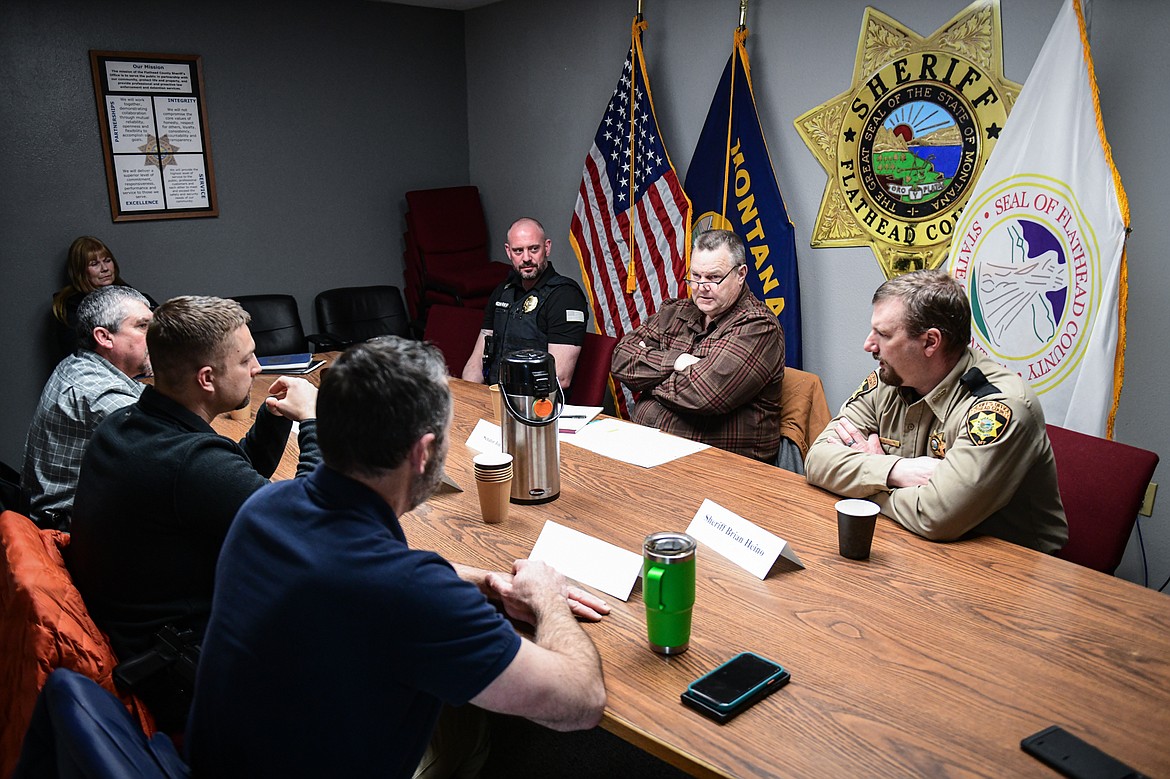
(668, 588)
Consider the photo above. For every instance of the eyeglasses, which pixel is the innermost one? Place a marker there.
(710, 285)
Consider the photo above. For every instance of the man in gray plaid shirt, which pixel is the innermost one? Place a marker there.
(85, 387)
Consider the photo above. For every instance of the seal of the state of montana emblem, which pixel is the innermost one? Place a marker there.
(904, 145)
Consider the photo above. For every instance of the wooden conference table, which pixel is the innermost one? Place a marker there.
(926, 660)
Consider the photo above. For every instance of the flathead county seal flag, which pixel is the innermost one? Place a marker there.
(1040, 246)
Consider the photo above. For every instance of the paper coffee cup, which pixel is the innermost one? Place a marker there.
(494, 495)
(492, 461)
(497, 403)
(855, 524)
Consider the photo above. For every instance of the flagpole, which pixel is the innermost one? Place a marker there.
(741, 30)
(600, 227)
(733, 130)
(635, 58)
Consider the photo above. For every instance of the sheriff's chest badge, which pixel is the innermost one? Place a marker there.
(938, 444)
(530, 304)
(904, 145)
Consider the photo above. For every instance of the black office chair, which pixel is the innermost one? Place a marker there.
(276, 324)
(349, 315)
(80, 730)
(12, 495)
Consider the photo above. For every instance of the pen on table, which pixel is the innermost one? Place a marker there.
(572, 416)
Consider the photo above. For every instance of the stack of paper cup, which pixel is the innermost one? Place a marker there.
(493, 479)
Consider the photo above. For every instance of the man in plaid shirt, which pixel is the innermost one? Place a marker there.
(85, 387)
(709, 367)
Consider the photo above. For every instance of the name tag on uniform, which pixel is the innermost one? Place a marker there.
(501, 304)
(572, 315)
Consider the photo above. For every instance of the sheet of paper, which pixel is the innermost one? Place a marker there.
(573, 418)
(630, 443)
(589, 560)
(486, 437)
(739, 540)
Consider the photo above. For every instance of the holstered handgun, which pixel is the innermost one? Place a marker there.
(487, 358)
(175, 650)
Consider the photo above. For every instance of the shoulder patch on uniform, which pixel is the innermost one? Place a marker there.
(868, 385)
(977, 384)
(987, 420)
(573, 315)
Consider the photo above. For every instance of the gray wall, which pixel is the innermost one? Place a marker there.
(539, 75)
(321, 116)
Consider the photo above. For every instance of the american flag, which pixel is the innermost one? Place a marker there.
(628, 164)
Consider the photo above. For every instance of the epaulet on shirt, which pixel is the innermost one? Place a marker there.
(977, 384)
(867, 385)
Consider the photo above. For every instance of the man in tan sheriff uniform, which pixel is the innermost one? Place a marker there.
(946, 441)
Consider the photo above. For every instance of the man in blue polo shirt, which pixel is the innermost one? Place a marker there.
(332, 644)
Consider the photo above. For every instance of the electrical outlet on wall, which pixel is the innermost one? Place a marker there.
(1148, 503)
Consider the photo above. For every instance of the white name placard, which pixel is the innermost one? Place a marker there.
(742, 542)
(589, 560)
(486, 437)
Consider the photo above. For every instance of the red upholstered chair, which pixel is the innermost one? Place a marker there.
(447, 259)
(44, 625)
(1102, 485)
(591, 376)
(454, 330)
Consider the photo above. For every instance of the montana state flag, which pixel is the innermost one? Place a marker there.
(732, 187)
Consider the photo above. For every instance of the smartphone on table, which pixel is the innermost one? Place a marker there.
(1074, 757)
(734, 686)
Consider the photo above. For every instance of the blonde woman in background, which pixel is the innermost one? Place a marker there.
(90, 265)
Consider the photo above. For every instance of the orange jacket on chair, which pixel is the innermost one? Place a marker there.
(43, 625)
(804, 412)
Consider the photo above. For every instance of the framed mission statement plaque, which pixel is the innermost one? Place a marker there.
(153, 118)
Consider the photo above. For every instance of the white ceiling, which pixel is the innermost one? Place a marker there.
(453, 5)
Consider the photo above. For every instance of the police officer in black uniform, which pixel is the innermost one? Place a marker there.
(535, 308)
